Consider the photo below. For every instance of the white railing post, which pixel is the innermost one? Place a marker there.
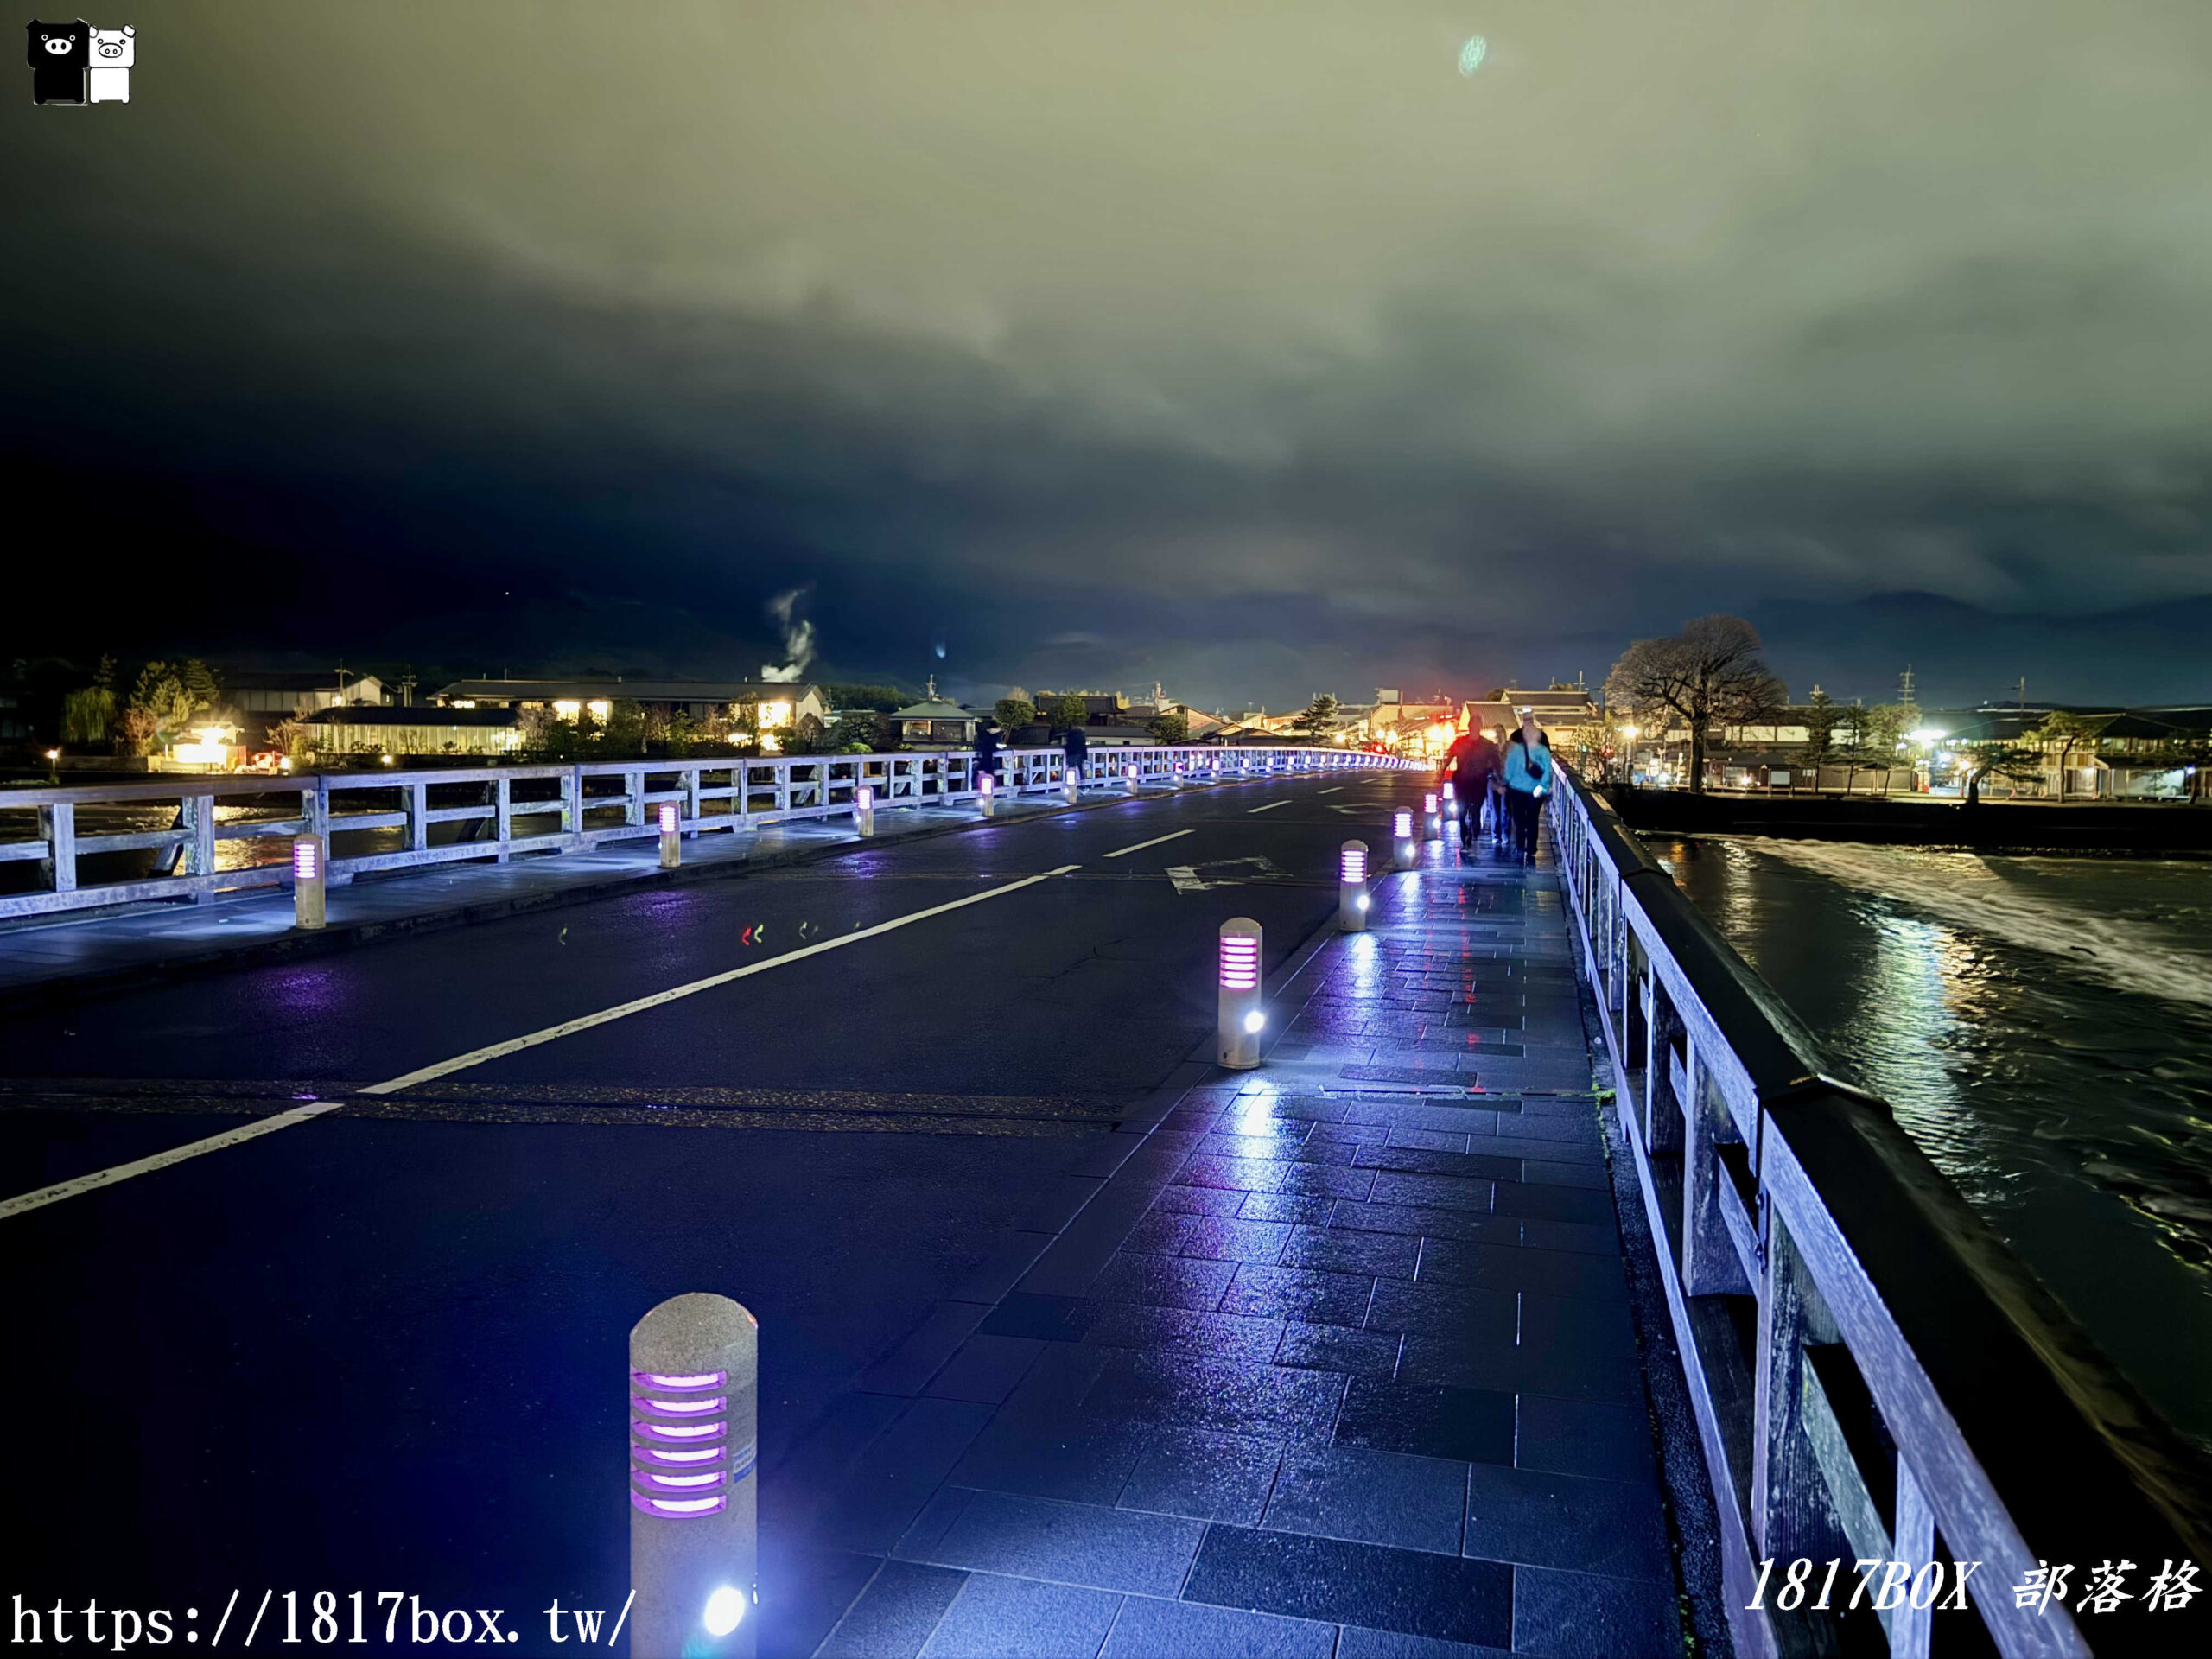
(57, 827)
(200, 820)
(418, 817)
(503, 807)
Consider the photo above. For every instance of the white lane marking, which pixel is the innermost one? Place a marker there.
(570, 1027)
(101, 1178)
(1186, 879)
(1331, 791)
(1270, 807)
(1154, 842)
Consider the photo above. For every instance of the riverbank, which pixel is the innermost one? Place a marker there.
(2163, 829)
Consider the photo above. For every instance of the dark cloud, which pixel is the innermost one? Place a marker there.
(1253, 348)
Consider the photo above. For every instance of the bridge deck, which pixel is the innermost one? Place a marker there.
(1069, 1341)
(1339, 1362)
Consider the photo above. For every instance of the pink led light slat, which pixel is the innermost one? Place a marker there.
(703, 1380)
(705, 1402)
(682, 1431)
(680, 1507)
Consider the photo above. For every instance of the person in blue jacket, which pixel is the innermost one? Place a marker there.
(1529, 777)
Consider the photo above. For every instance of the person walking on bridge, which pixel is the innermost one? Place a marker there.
(1529, 776)
(1077, 747)
(1469, 766)
(987, 750)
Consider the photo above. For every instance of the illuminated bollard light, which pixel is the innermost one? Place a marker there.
(1131, 774)
(1434, 820)
(1242, 1017)
(864, 811)
(671, 839)
(1071, 783)
(694, 1386)
(1451, 810)
(1401, 829)
(984, 793)
(309, 855)
(1351, 887)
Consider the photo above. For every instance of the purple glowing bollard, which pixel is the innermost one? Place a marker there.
(1351, 887)
(671, 836)
(863, 810)
(309, 878)
(693, 1393)
(1401, 835)
(1241, 1018)
(984, 793)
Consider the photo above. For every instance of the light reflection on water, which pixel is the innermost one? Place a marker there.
(2042, 1028)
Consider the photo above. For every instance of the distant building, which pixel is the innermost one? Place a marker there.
(256, 700)
(428, 730)
(779, 703)
(936, 722)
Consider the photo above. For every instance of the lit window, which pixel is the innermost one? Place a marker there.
(600, 708)
(567, 709)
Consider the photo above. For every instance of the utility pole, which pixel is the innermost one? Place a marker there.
(1905, 685)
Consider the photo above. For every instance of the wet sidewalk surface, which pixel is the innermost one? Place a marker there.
(1338, 1362)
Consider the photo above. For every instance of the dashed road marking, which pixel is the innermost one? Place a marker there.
(1154, 842)
(1270, 807)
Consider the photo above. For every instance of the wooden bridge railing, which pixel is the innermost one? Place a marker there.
(1875, 1375)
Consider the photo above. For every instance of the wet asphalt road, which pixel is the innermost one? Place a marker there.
(384, 1350)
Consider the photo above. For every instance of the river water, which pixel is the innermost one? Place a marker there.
(2043, 1028)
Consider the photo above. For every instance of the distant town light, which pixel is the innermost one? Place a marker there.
(1926, 735)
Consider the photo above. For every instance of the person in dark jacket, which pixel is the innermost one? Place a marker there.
(1529, 779)
(986, 749)
(1469, 765)
(1077, 747)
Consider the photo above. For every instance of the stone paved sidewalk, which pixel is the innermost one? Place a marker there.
(1337, 1363)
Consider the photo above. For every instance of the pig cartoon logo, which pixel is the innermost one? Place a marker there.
(60, 54)
(109, 77)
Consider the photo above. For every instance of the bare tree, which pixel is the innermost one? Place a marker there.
(1710, 674)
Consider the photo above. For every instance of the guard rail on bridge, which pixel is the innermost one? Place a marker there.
(205, 826)
(1875, 1375)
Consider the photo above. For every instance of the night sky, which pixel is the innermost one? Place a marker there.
(1250, 348)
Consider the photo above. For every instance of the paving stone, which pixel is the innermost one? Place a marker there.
(1557, 1615)
(1348, 1249)
(1070, 1544)
(1195, 1391)
(1429, 1220)
(1023, 1314)
(1372, 1497)
(1223, 1238)
(1370, 1584)
(1428, 1421)
(1148, 1629)
(1198, 1200)
(1488, 1317)
(1537, 1518)
(1207, 1477)
(1299, 1294)
(1288, 1206)
(994, 1618)
(1581, 1437)
(1080, 1461)
(986, 1369)
(1444, 1191)
(1519, 1267)
(1164, 1281)
(1131, 1324)
(1354, 1642)
(895, 1614)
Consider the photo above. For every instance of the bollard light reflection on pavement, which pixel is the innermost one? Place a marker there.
(1352, 888)
(693, 1399)
(309, 881)
(1241, 1018)
(672, 843)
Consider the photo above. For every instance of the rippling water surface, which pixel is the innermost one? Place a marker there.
(2043, 1028)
